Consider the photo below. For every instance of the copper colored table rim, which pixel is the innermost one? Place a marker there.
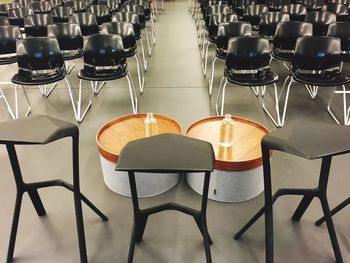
(114, 157)
(237, 165)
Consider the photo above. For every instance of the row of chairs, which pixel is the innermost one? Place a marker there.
(248, 63)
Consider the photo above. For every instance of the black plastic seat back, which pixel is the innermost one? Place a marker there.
(55, 3)
(129, 17)
(340, 10)
(17, 15)
(4, 21)
(216, 20)
(342, 2)
(42, 7)
(87, 22)
(123, 29)
(8, 38)
(269, 21)
(113, 5)
(60, 14)
(102, 13)
(316, 53)
(77, 5)
(36, 25)
(146, 5)
(38, 54)
(138, 9)
(252, 13)
(313, 5)
(240, 6)
(4, 8)
(276, 5)
(68, 35)
(341, 30)
(296, 12)
(320, 21)
(248, 53)
(229, 30)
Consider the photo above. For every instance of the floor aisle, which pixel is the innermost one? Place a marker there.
(174, 86)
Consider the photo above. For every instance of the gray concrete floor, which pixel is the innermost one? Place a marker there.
(175, 87)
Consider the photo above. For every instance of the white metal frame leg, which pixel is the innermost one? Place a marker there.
(153, 31)
(211, 79)
(143, 55)
(221, 94)
(148, 43)
(76, 103)
(346, 109)
(9, 109)
(205, 58)
(96, 88)
(133, 95)
(139, 72)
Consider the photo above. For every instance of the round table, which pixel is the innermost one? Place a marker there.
(238, 174)
(111, 139)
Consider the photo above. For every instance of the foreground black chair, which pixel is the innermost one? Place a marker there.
(167, 153)
(311, 141)
(126, 31)
(105, 60)
(40, 63)
(225, 32)
(41, 130)
(247, 64)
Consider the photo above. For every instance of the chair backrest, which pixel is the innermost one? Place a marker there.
(216, 9)
(255, 10)
(8, 37)
(36, 25)
(39, 53)
(287, 34)
(17, 15)
(4, 21)
(102, 13)
(342, 2)
(316, 53)
(340, 10)
(269, 21)
(68, 35)
(113, 5)
(129, 17)
(248, 53)
(296, 12)
(216, 20)
(341, 30)
(104, 50)
(60, 14)
(55, 2)
(320, 21)
(4, 8)
(313, 5)
(42, 7)
(87, 21)
(276, 5)
(78, 5)
(229, 30)
(123, 29)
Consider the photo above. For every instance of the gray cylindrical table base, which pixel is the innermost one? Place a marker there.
(148, 184)
(230, 186)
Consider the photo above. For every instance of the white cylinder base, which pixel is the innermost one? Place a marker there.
(230, 186)
(148, 184)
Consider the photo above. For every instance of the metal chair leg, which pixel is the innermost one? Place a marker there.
(277, 109)
(143, 55)
(219, 95)
(148, 43)
(139, 72)
(132, 91)
(211, 79)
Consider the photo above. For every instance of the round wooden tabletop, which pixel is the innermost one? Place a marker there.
(114, 135)
(245, 152)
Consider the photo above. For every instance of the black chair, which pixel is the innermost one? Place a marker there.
(225, 32)
(313, 5)
(87, 22)
(40, 63)
(77, 5)
(320, 21)
(4, 8)
(102, 13)
(55, 2)
(253, 13)
(317, 63)
(341, 30)
(8, 38)
(140, 11)
(36, 25)
(167, 153)
(113, 5)
(4, 21)
(60, 14)
(215, 21)
(16, 15)
(240, 6)
(105, 60)
(42, 7)
(247, 64)
(296, 12)
(276, 5)
(269, 21)
(42, 130)
(310, 141)
(133, 18)
(340, 10)
(126, 31)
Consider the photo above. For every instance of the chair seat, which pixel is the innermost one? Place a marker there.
(282, 56)
(131, 52)
(7, 61)
(29, 80)
(72, 55)
(36, 130)
(266, 78)
(321, 80)
(221, 54)
(102, 75)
